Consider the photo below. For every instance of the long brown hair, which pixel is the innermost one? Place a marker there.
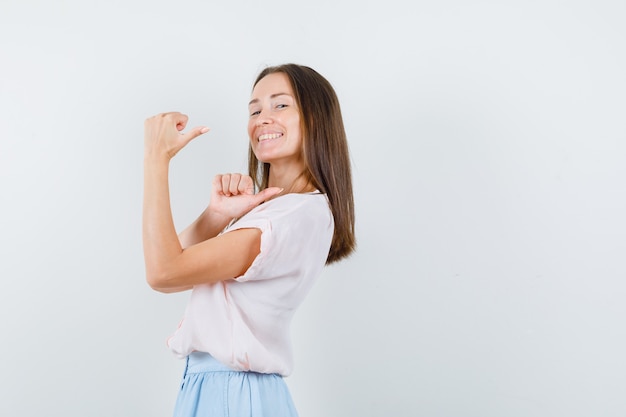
(324, 149)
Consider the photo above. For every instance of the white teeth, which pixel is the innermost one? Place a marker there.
(269, 136)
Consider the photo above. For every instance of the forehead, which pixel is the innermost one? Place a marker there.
(271, 84)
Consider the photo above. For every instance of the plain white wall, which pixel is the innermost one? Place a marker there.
(489, 149)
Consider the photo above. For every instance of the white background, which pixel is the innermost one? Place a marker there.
(488, 141)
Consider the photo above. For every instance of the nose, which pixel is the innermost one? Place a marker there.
(264, 118)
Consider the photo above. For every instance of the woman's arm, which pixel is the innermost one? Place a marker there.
(206, 226)
(170, 265)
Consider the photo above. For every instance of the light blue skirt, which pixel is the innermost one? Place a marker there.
(211, 389)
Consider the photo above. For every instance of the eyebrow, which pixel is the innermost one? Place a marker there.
(256, 100)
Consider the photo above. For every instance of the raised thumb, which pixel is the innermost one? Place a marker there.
(268, 193)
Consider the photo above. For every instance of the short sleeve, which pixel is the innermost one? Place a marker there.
(264, 225)
(295, 235)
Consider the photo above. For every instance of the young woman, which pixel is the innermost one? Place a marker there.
(251, 258)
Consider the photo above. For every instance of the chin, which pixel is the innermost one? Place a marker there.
(264, 157)
(261, 158)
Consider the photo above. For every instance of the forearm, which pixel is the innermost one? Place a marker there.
(160, 242)
(209, 224)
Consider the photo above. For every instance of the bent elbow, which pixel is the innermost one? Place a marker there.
(152, 281)
(163, 285)
(158, 280)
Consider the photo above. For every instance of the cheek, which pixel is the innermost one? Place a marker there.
(295, 126)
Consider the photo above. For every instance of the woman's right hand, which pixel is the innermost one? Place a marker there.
(232, 195)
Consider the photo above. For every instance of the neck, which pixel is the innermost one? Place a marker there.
(291, 180)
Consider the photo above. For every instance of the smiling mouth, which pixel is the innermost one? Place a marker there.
(269, 136)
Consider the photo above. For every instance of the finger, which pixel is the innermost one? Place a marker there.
(226, 184)
(267, 194)
(192, 134)
(217, 184)
(246, 185)
(179, 119)
(195, 132)
(233, 187)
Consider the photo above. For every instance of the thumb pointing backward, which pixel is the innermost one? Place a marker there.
(193, 133)
(268, 193)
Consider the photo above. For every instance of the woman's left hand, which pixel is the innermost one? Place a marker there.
(163, 135)
(232, 195)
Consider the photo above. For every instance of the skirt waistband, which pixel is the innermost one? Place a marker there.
(198, 362)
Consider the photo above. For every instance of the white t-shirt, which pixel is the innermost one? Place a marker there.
(244, 322)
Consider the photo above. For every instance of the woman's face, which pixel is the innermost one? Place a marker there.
(274, 124)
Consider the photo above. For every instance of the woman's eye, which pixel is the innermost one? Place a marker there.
(255, 113)
(281, 106)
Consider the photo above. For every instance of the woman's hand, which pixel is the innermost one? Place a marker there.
(163, 135)
(233, 195)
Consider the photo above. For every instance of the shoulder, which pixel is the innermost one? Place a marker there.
(312, 207)
(310, 201)
(301, 213)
